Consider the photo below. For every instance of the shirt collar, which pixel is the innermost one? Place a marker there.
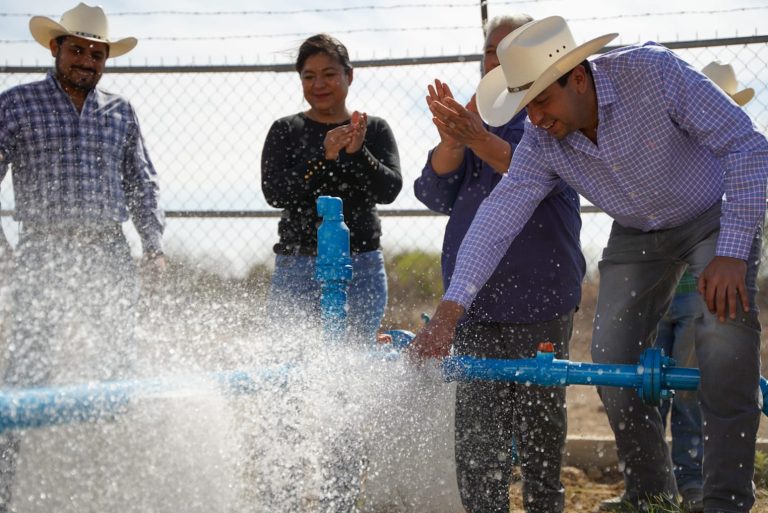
(606, 96)
(54, 83)
(606, 93)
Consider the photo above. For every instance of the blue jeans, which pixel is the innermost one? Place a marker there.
(677, 338)
(294, 295)
(639, 272)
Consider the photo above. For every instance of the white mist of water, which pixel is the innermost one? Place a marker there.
(345, 430)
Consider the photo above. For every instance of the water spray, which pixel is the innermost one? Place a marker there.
(655, 377)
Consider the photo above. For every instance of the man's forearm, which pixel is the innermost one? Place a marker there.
(447, 158)
(494, 151)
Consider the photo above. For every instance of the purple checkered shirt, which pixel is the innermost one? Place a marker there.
(671, 144)
(90, 167)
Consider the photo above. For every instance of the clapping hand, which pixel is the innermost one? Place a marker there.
(457, 124)
(439, 93)
(359, 124)
(349, 137)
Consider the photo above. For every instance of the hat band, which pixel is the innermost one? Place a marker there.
(520, 88)
(88, 34)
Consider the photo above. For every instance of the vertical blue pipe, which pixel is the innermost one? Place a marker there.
(333, 268)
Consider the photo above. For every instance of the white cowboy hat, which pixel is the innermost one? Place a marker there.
(531, 59)
(725, 78)
(83, 21)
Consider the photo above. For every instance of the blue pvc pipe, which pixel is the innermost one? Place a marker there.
(654, 379)
(333, 267)
(545, 370)
(47, 406)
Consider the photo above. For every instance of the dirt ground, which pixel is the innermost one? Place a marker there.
(583, 494)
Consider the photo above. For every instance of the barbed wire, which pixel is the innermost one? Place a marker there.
(270, 36)
(671, 13)
(271, 12)
(372, 7)
(365, 30)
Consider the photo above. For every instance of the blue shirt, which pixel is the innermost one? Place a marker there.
(539, 277)
(89, 167)
(671, 144)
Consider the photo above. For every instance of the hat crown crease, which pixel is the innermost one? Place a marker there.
(93, 24)
(527, 56)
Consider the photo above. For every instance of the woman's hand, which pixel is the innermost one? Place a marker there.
(336, 139)
(359, 124)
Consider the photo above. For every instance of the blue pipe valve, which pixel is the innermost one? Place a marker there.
(654, 365)
(653, 378)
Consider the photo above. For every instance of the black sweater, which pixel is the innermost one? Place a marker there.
(294, 173)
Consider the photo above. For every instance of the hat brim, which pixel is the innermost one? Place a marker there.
(497, 105)
(743, 97)
(44, 30)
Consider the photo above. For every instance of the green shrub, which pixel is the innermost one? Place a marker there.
(761, 469)
(415, 276)
(415, 286)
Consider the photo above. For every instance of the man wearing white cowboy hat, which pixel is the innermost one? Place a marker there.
(80, 169)
(676, 336)
(656, 145)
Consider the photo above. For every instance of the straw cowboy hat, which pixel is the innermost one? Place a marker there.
(725, 78)
(83, 21)
(531, 59)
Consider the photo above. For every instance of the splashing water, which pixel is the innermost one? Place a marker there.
(346, 430)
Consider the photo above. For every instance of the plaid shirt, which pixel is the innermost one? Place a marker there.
(90, 167)
(670, 145)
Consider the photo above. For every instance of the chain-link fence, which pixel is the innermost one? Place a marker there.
(205, 127)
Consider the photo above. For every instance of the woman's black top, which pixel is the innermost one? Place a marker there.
(294, 173)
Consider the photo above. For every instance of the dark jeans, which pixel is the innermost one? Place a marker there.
(638, 275)
(676, 337)
(69, 281)
(492, 416)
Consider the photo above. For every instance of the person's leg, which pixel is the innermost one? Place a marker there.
(540, 416)
(665, 338)
(685, 424)
(729, 360)
(367, 297)
(637, 282)
(491, 415)
(483, 422)
(293, 300)
(110, 289)
(35, 324)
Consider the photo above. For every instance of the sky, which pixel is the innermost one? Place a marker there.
(267, 31)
